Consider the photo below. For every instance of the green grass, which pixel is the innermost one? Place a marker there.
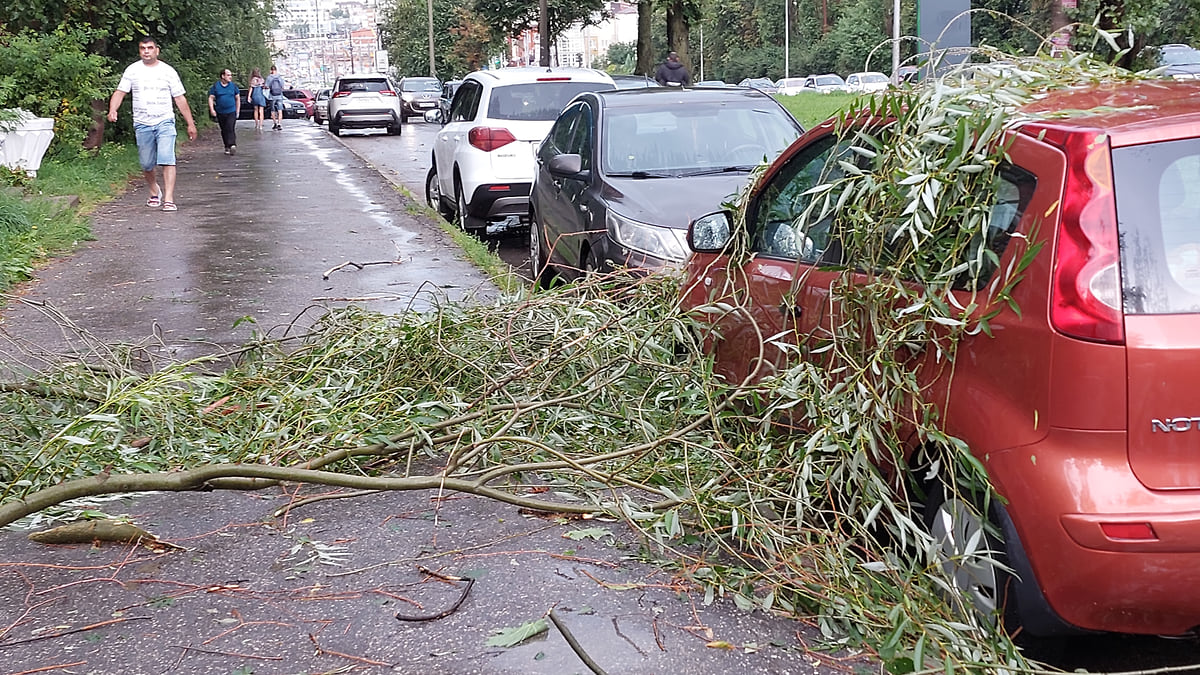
(93, 177)
(812, 109)
(34, 228)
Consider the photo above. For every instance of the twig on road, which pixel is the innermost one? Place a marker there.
(43, 669)
(74, 630)
(351, 263)
(330, 652)
(575, 646)
(446, 612)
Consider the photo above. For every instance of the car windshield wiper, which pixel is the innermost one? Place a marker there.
(741, 168)
(642, 174)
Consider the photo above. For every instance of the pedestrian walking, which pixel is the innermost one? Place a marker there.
(274, 86)
(225, 104)
(257, 98)
(672, 73)
(154, 86)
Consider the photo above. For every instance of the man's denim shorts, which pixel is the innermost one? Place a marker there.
(156, 144)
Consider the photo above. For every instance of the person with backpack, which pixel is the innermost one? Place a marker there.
(275, 96)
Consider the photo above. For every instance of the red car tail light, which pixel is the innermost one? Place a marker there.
(340, 94)
(386, 92)
(488, 139)
(1086, 290)
(554, 79)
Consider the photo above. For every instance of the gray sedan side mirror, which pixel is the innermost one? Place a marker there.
(710, 233)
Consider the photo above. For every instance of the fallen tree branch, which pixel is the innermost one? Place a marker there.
(200, 477)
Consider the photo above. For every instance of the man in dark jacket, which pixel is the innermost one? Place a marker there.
(672, 73)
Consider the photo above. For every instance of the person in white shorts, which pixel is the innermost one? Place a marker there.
(154, 86)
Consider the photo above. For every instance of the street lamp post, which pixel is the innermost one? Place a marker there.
(787, 47)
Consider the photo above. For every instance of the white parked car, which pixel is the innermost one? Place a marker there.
(364, 102)
(484, 154)
(824, 84)
(867, 83)
(789, 86)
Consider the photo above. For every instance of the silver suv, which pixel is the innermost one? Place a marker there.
(364, 102)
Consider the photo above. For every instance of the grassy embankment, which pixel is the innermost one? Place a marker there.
(34, 227)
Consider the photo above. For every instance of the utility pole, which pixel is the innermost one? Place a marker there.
(432, 64)
(787, 30)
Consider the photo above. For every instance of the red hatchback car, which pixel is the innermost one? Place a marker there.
(1084, 407)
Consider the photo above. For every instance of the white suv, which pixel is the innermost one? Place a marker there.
(363, 102)
(484, 155)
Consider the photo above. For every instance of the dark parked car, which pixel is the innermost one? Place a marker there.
(291, 109)
(304, 96)
(418, 94)
(622, 172)
(449, 87)
(1080, 400)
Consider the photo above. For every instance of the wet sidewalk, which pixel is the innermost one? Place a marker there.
(248, 251)
(253, 589)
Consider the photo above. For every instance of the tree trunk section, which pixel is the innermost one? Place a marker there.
(95, 135)
(645, 50)
(677, 32)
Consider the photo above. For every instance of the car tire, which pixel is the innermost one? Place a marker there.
(335, 129)
(588, 263)
(461, 218)
(539, 261)
(954, 520)
(394, 130)
(433, 194)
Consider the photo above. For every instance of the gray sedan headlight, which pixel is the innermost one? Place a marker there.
(661, 242)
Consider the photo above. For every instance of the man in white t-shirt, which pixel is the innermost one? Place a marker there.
(155, 86)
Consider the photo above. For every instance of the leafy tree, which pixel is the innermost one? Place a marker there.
(68, 80)
(508, 18)
(461, 42)
(199, 37)
(621, 57)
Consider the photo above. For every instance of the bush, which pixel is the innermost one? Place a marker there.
(53, 75)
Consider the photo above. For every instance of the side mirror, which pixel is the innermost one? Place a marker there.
(434, 116)
(565, 166)
(710, 233)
